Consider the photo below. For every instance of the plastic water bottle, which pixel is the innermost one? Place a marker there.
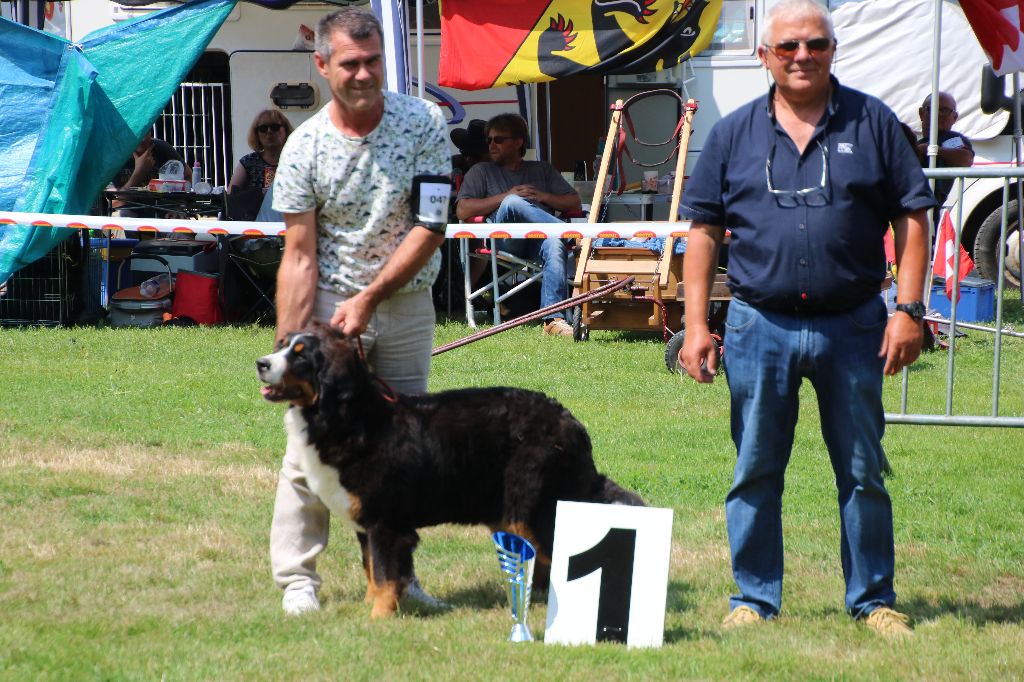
(197, 173)
(151, 286)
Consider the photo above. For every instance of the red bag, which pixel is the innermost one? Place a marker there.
(196, 297)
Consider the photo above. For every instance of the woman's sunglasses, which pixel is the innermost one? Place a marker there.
(269, 128)
(787, 48)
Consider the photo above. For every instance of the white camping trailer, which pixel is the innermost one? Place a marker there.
(260, 58)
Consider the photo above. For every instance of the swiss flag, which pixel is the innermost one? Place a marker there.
(999, 26)
(944, 254)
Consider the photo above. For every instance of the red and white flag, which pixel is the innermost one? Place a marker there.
(999, 26)
(945, 251)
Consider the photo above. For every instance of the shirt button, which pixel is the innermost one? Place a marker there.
(802, 226)
(803, 261)
(803, 296)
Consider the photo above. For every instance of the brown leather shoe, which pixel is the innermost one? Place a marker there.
(889, 622)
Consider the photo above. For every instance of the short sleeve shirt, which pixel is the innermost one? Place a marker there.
(258, 171)
(360, 188)
(488, 179)
(807, 259)
(948, 139)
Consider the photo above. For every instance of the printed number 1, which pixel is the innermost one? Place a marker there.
(614, 554)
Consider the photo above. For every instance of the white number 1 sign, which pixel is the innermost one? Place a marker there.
(609, 574)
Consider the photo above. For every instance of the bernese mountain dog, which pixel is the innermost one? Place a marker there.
(390, 463)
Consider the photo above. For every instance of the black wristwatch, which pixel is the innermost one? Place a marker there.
(915, 309)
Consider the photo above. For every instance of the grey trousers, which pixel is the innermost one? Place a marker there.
(397, 342)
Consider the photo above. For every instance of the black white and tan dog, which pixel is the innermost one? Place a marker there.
(391, 463)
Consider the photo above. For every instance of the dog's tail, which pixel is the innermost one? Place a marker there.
(611, 492)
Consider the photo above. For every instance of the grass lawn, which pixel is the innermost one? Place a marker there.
(137, 474)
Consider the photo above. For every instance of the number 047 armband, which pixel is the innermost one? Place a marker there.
(430, 196)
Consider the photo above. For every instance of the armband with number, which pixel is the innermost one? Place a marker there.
(430, 196)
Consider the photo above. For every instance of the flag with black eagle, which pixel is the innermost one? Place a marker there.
(508, 42)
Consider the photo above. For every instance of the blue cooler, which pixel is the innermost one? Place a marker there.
(977, 299)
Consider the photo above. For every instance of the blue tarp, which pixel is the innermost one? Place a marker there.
(71, 113)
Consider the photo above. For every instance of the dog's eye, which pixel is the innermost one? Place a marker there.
(298, 347)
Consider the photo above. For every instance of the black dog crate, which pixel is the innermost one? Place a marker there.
(42, 293)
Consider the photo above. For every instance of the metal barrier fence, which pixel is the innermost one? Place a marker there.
(947, 418)
(195, 122)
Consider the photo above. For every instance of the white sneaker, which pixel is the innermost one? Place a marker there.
(418, 596)
(300, 601)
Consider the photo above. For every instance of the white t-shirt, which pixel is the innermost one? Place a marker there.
(360, 188)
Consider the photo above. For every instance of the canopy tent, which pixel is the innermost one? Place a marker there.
(71, 113)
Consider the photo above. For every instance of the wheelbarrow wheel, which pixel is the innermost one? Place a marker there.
(675, 344)
(580, 332)
(672, 348)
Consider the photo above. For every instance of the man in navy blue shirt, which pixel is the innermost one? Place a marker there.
(955, 150)
(807, 180)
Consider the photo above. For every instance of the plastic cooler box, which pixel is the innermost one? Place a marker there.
(977, 300)
(181, 254)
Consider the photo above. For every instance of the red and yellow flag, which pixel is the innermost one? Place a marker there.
(507, 42)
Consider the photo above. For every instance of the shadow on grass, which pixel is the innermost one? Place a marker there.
(680, 599)
(965, 609)
(486, 596)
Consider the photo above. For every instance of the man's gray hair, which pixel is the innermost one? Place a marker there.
(356, 23)
(799, 9)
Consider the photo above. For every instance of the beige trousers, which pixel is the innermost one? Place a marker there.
(397, 342)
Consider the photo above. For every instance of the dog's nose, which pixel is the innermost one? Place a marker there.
(262, 365)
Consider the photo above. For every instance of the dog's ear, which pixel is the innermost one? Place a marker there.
(343, 372)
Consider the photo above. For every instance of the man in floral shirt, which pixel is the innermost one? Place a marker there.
(354, 256)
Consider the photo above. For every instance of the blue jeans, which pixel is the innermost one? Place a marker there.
(767, 355)
(552, 252)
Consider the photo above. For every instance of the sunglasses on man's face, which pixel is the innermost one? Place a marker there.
(497, 139)
(269, 128)
(787, 49)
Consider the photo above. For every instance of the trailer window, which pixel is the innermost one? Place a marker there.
(735, 34)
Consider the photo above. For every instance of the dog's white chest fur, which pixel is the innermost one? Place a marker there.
(323, 480)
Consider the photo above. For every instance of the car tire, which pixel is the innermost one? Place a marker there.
(987, 247)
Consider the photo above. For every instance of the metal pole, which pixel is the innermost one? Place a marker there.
(1018, 155)
(420, 84)
(1001, 279)
(547, 116)
(933, 152)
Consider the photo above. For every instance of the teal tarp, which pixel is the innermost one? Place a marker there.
(71, 113)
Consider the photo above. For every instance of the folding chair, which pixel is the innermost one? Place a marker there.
(250, 278)
(508, 271)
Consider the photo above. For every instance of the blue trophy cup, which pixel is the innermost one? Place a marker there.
(516, 557)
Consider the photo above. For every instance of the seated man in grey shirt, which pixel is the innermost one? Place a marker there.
(509, 189)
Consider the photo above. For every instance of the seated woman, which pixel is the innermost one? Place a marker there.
(267, 136)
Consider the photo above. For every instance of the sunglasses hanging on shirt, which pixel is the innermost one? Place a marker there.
(814, 197)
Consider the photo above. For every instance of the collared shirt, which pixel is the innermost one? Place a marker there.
(807, 259)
